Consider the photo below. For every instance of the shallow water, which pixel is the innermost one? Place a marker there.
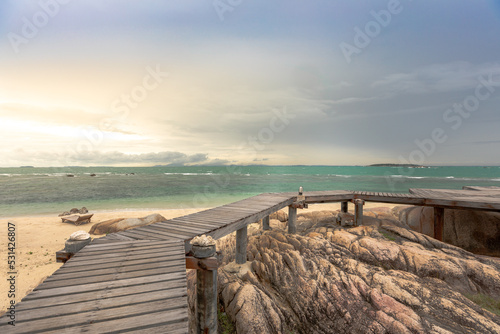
(28, 191)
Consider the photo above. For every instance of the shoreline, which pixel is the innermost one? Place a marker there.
(97, 212)
(39, 237)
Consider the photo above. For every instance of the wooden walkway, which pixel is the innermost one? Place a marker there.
(132, 281)
(474, 198)
(110, 287)
(135, 281)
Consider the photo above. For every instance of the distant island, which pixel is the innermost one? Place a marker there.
(398, 165)
(27, 167)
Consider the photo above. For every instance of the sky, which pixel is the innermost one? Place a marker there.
(214, 82)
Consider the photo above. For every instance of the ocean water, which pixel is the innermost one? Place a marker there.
(33, 191)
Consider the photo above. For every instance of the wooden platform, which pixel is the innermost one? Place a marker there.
(216, 222)
(132, 281)
(473, 198)
(135, 280)
(476, 198)
(111, 287)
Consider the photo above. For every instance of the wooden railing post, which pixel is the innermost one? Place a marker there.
(358, 212)
(438, 223)
(206, 293)
(265, 223)
(344, 206)
(241, 245)
(292, 219)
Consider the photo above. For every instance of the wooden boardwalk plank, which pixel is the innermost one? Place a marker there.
(173, 228)
(115, 270)
(106, 298)
(119, 252)
(143, 256)
(48, 284)
(177, 294)
(129, 282)
(119, 318)
(136, 245)
(117, 263)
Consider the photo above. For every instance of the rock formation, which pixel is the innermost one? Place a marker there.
(122, 224)
(382, 278)
(475, 231)
(74, 211)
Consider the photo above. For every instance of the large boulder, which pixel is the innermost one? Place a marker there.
(122, 224)
(279, 215)
(475, 231)
(366, 279)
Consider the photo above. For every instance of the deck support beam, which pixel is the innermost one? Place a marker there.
(206, 298)
(358, 212)
(241, 245)
(292, 219)
(344, 206)
(265, 223)
(438, 223)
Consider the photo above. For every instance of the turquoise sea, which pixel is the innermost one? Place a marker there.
(33, 191)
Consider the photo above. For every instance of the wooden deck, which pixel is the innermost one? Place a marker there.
(473, 198)
(135, 280)
(109, 287)
(476, 198)
(216, 222)
(132, 281)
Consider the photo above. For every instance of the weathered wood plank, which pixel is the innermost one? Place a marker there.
(117, 259)
(185, 227)
(180, 265)
(222, 231)
(119, 253)
(165, 233)
(92, 272)
(107, 297)
(122, 283)
(116, 247)
(213, 218)
(119, 318)
(123, 262)
(145, 235)
(176, 226)
(176, 295)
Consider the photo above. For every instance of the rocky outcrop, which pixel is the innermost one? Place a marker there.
(122, 224)
(475, 231)
(74, 211)
(279, 215)
(368, 279)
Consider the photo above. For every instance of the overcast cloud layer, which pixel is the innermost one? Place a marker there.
(242, 82)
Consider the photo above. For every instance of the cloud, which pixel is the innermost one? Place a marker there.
(90, 158)
(437, 78)
(115, 158)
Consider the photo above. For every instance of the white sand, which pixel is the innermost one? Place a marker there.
(39, 238)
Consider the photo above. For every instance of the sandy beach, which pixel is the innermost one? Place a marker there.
(38, 238)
